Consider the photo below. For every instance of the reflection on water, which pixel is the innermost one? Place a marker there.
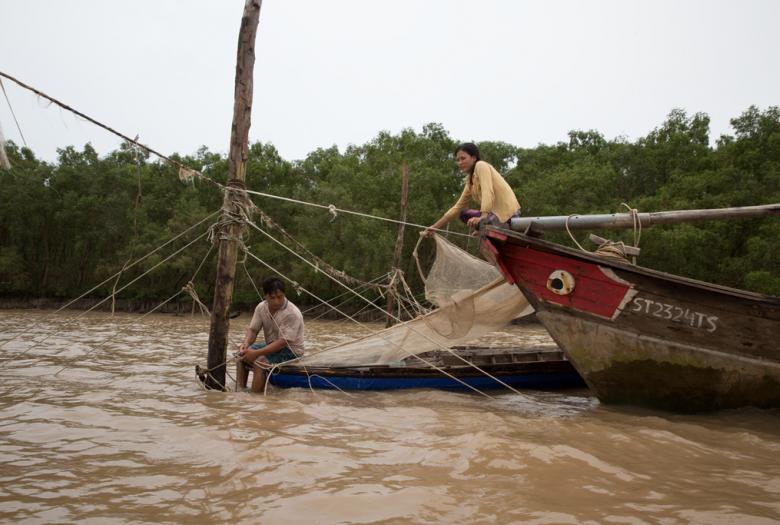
(102, 421)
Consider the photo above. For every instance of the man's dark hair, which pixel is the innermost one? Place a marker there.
(470, 148)
(272, 284)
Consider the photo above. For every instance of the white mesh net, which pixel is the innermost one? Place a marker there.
(473, 300)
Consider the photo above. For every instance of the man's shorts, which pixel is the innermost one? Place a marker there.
(285, 354)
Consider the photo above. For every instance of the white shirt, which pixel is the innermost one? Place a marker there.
(286, 323)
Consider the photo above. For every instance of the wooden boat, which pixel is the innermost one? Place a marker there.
(538, 367)
(644, 337)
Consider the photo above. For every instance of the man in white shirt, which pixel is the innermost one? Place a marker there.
(282, 325)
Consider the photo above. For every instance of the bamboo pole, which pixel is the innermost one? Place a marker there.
(231, 230)
(399, 245)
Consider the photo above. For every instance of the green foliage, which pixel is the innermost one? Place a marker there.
(80, 221)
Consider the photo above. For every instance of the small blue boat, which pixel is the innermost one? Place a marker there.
(543, 368)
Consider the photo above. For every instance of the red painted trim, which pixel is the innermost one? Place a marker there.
(594, 291)
(496, 235)
(491, 253)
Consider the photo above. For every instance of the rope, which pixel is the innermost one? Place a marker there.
(12, 112)
(160, 305)
(408, 297)
(320, 263)
(323, 301)
(243, 263)
(269, 236)
(571, 235)
(637, 226)
(411, 298)
(190, 289)
(334, 385)
(423, 278)
(615, 250)
(108, 128)
(218, 230)
(332, 209)
(380, 278)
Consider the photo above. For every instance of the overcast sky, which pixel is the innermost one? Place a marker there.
(340, 71)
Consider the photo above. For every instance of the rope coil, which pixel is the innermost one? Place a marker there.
(613, 249)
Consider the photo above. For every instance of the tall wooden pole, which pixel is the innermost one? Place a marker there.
(231, 230)
(399, 244)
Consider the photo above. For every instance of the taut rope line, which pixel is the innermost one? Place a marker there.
(332, 209)
(106, 127)
(373, 281)
(13, 113)
(325, 267)
(124, 329)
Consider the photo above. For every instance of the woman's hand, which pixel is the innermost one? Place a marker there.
(474, 222)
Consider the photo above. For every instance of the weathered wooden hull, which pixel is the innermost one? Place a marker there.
(533, 368)
(643, 337)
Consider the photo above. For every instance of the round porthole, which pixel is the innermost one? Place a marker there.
(560, 282)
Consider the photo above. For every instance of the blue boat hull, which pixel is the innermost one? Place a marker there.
(532, 368)
(481, 382)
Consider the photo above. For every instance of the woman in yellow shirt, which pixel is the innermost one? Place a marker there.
(484, 185)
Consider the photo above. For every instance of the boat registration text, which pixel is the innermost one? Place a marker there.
(674, 313)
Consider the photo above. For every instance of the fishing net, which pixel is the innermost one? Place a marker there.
(472, 298)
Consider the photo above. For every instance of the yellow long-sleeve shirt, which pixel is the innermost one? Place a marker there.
(489, 189)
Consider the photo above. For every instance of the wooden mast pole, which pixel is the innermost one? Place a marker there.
(399, 245)
(231, 230)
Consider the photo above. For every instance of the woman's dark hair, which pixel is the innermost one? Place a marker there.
(272, 284)
(470, 148)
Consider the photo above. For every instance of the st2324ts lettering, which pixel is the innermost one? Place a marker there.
(675, 314)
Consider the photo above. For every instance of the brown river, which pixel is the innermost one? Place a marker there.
(103, 421)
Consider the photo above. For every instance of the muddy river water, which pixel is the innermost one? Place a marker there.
(102, 421)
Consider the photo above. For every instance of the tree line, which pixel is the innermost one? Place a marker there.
(68, 225)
